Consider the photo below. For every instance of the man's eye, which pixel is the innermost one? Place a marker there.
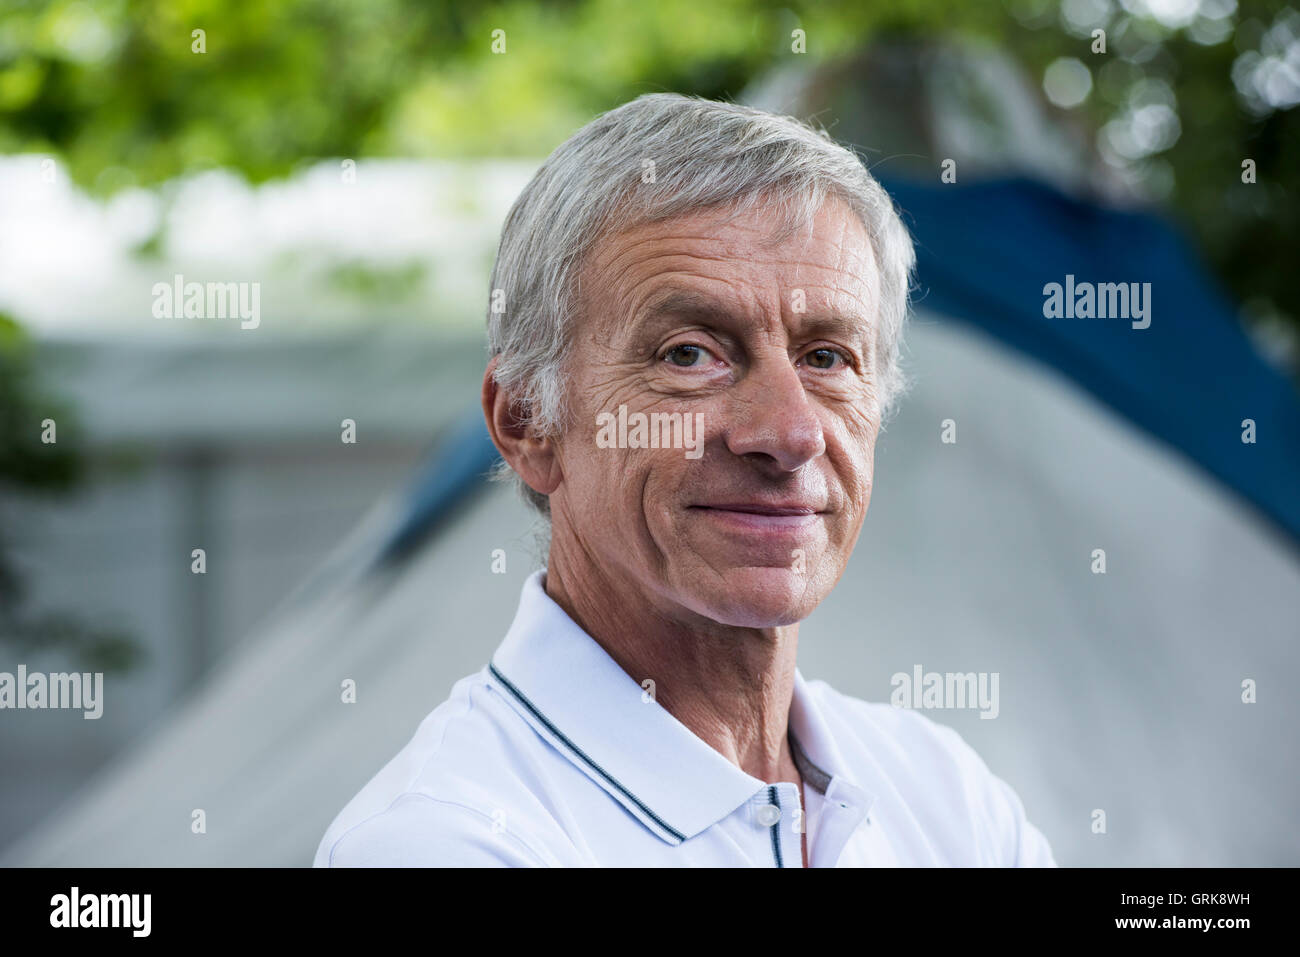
(685, 356)
(823, 358)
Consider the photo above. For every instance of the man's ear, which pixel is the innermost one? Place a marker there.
(530, 455)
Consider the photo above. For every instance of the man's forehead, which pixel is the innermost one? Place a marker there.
(704, 261)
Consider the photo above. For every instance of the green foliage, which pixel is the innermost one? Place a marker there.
(34, 467)
(116, 89)
(25, 461)
(366, 282)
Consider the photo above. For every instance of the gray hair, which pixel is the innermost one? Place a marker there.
(703, 154)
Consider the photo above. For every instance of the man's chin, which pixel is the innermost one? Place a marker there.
(758, 597)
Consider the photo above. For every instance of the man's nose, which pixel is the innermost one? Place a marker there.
(772, 419)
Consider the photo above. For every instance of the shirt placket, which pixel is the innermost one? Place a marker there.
(778, 811)
(844, 810)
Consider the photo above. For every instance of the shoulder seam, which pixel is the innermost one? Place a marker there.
(434, 751)
(537, 858)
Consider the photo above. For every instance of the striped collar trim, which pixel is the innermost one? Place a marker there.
(603, 777)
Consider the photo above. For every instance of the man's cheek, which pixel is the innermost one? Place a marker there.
(613, 478)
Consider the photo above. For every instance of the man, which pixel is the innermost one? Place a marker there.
(695, 326)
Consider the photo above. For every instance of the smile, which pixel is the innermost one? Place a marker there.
(761, 519)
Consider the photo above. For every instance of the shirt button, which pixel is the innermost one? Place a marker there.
(768, 815)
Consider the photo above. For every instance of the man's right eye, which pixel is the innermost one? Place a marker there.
(685, 356)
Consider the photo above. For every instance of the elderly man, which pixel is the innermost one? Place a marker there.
(695, 325)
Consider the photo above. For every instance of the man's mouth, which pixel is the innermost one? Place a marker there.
(762, 517)
(757, 508)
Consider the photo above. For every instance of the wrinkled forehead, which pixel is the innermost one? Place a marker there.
(739, 258)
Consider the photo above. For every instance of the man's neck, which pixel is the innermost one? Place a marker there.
(731, 686)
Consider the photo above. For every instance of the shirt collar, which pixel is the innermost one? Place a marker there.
(580, 700)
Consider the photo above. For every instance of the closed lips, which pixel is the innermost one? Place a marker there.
(763, 509)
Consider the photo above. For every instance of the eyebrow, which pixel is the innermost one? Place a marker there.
(679, 302)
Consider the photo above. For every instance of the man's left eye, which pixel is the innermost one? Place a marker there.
(823, 358)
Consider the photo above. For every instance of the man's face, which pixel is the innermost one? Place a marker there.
(774, 345)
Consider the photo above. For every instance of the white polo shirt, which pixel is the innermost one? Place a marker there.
(552, 755)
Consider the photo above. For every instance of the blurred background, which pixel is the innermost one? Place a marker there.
(357, 160)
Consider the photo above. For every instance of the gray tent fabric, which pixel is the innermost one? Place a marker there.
(1119, 692)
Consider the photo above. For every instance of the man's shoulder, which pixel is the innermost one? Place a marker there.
(443, 799)
(935, 771)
